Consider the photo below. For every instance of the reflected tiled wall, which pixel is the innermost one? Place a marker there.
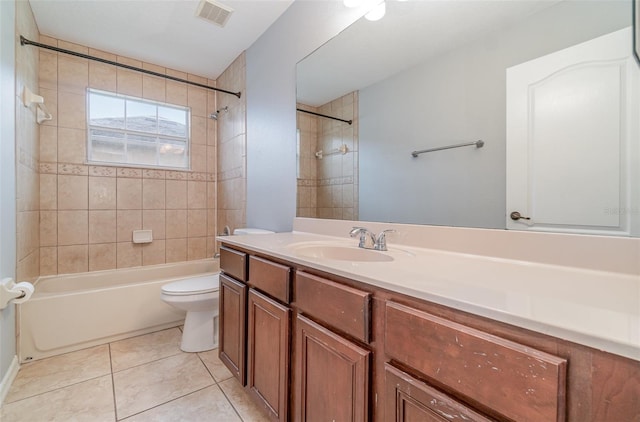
(307, 195)
(88, 212)
(336, 184)
(27, 134)
(232, 140)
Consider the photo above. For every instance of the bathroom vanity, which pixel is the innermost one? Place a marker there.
(316, 328)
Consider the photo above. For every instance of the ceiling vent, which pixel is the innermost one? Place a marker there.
(214, 12)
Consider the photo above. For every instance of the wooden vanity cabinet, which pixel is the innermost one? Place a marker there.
(268, 336)
(312, 346)
(508, 380)
(233, 311)
(408, 399)
(255, 327)
(332, 375)
(234, 263)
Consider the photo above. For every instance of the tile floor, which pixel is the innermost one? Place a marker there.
(145, 378)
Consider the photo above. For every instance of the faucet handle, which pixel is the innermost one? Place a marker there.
(381, 240)
(364, 235)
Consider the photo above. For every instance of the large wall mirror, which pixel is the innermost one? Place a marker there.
(551, 89)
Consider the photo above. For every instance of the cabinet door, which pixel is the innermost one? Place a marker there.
(331, 376)
(511, 379)
(409, 400)
(268, 354)
(232, 319)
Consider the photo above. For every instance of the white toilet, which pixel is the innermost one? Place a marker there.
(199, 297)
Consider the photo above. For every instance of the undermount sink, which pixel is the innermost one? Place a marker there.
(340, 253)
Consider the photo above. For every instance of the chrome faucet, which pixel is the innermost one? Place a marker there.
(365, 235)
(368, 240)
(381, 241)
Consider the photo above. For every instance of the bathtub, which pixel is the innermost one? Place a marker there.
(76, 311)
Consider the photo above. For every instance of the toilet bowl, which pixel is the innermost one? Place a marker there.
(199, 297)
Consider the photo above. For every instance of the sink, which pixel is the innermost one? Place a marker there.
(340, 253)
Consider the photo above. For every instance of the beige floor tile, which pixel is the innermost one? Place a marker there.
(90, 401)
(207, 405)
(142, 387)
(215, 365)
(59, 371)
(144, 349)
(241, 401)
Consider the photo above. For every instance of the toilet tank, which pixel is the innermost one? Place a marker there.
(250, 230)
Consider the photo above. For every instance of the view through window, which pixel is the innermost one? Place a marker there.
(131, 131)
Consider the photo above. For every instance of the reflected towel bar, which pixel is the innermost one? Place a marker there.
(342, 149)
(478, 144)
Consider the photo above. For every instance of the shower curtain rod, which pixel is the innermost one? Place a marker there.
(324, 115)
(24, 41)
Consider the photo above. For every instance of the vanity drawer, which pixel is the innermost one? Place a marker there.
(233, 263)
(409, 399)
(271, 278)
(516, 381)
(342, 307)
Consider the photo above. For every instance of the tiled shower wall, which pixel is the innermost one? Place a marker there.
(87, 212)
(232, 140)
(307, 196)
(336, 181)
(27, 133)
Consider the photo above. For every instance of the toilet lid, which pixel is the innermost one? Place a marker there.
(194, 285)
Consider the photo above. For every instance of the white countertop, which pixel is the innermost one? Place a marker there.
(600, 309)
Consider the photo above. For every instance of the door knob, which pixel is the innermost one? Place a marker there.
(515, 216)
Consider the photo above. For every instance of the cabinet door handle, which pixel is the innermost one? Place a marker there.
(515, 216)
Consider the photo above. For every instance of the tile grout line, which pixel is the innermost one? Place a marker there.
(138, 365)
(230, 401)
(217, 384)
(145, 363)
(112, 354)
(178, 353)
(167, 402)
(113, 385)
(207, 368)
(55, 389)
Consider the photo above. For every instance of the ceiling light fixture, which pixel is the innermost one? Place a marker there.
(377, 8)
(377, 12)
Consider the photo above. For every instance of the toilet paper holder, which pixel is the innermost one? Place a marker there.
(12, 291)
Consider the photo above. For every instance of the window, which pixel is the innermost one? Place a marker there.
(131, 131)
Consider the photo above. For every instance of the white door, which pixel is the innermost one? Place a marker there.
(572, 139)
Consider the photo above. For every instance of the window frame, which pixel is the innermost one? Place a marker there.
(125, 131)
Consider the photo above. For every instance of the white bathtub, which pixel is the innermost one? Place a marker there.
(75, 311)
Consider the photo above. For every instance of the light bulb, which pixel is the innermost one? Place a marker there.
(377, 12)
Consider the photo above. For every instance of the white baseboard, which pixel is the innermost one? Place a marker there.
(8, 378)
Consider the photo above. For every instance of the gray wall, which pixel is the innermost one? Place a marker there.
(271, 105)
(7, 178)
(458, 97)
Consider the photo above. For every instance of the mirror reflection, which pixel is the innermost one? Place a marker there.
(549, 88)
